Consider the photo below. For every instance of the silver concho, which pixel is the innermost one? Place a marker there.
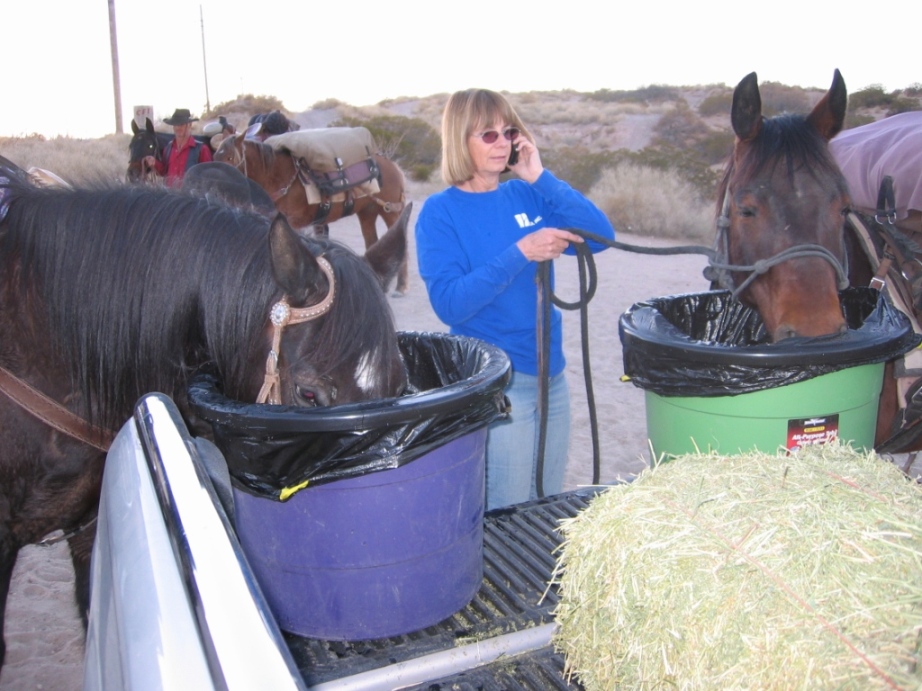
(280, 313)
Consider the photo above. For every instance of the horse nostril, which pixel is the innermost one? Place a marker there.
(784, 331)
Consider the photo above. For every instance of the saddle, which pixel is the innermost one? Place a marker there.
(335, 164)
(894, 255)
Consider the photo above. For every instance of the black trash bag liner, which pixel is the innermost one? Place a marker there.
(709, 344)
(272, 451)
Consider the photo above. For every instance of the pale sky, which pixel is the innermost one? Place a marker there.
(57, 75)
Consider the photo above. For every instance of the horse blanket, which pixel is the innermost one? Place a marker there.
(892, 146)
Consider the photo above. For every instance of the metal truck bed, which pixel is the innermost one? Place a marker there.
(174, 599)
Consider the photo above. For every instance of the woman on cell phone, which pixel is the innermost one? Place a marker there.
(478, 244)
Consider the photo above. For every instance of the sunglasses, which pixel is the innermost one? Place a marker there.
(490, 136)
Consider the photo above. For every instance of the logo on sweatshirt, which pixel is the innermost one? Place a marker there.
(522, 220)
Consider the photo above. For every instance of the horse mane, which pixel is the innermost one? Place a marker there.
(137, 286)
(787, 139)
(265, 153)
(360, 316)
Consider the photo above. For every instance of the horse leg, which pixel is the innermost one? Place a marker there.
(8, 553)
(368, 216)
(81, 549)
(888, 408)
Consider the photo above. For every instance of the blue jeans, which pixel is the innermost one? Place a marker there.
(512, 443)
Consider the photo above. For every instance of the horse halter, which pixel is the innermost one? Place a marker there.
(281, 315)
(719, 269)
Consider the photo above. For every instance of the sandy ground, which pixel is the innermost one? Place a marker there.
(43, 634)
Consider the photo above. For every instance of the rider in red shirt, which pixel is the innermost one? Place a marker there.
(182, 153)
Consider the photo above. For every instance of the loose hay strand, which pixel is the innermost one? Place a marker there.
(751, 571)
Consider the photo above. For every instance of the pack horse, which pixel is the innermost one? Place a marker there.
(316, 177)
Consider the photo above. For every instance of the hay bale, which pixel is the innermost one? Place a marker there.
(752, 571)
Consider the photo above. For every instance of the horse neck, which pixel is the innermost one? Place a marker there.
(259, 162)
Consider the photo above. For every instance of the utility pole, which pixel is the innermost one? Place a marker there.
(204, 63)
(116, 82)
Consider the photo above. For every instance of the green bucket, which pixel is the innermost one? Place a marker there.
(837, 406)
(714, 382)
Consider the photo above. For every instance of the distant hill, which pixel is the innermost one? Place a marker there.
(581, 134)
(611, 120)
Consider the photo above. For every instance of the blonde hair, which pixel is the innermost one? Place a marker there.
(465, 112)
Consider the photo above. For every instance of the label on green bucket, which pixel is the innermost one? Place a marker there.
(813, 430)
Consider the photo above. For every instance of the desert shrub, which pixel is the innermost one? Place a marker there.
(421, 172)
(902, 105)
(716, 104)
(714, 147)
(653, 202)
(686, 164)
(79, 161)
(579, 166)
(327, 104)
(780, 98)
(248, 105)
(853, 119)
(411, 142)
(914, 89)
(872, 96)
(679, 127)
(655, 93)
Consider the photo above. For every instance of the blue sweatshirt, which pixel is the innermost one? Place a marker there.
(479, 282)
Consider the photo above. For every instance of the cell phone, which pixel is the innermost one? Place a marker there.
(514, 155)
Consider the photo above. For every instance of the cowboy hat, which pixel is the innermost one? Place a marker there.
(181, 116)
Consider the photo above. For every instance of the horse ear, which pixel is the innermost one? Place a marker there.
(746, 112)
(253, 131)
(294, 268)
(829, 114)
(148, 125)
(387, 254)
(134, 127)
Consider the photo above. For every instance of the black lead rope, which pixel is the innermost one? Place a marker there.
(588, 283)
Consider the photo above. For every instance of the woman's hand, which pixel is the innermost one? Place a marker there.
(529, 166)
(547, 243)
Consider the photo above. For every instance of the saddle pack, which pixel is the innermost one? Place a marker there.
(335, 164)
(894, 255)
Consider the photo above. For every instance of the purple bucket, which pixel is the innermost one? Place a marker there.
(373, 556)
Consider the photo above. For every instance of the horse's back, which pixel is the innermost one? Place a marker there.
(892, 146)
(222, 181)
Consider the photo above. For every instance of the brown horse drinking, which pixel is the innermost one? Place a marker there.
(277, 173)
(782, 205)
(108, 294)
(782, 208)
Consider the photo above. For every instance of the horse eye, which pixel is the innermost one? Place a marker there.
(747, 212)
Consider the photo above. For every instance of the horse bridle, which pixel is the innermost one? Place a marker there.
(158, 156)
(719, 269)
(282, 315)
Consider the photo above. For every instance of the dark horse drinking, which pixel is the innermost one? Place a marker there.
(108, 294)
